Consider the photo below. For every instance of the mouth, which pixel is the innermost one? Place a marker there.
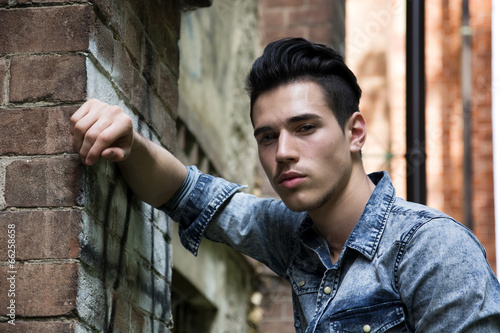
(290, 179)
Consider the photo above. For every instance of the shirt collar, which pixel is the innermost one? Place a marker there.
(366, 235)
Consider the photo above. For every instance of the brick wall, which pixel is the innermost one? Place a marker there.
(88, 255)
(318, 20)
(42, 80)
(483, 206)
(444, 130)
(445, 118)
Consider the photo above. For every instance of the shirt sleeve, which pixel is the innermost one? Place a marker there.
(445, 280)
(214, 208)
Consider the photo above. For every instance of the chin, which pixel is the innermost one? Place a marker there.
(304, 202)
(296, 209)
(297, 205)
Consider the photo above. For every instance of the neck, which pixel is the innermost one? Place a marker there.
(336, 219)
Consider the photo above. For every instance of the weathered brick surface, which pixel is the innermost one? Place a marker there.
(42, 234)
(123, 249)
(38, 327)
(35, 131)
(47, 78)
(3, 79)
(444, 124)
(481, 122)
(43, 182)
(133, 44)
(48, 29)
(321, 21)
(41, 289)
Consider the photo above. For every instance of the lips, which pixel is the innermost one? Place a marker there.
(290, 179)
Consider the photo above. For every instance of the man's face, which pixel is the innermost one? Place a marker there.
(302, 148)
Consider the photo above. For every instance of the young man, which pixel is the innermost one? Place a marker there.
(358, 258)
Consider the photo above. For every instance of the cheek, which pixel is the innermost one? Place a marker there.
(327, 154)
(267, 161)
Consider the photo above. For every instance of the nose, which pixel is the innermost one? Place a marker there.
(286, 150)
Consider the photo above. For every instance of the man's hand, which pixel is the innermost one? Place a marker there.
(101, 130)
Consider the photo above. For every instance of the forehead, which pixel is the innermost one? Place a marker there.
(290, 100)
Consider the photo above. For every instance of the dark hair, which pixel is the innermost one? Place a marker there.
(291, 60)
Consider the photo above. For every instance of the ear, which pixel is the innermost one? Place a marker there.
(356, 129)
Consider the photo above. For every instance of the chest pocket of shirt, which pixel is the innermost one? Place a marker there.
(385, 317)
(305, 277)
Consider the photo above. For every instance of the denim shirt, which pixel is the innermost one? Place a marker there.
(404, 268)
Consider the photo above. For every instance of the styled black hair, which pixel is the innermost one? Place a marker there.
(291, 60)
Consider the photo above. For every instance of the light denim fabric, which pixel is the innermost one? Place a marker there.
(404, 268)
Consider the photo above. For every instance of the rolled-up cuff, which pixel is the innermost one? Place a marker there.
(195, 204)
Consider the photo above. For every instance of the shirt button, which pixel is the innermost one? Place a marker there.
(367, 328)
(327, 290)
(302, 283)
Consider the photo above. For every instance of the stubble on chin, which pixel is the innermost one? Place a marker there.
(306, 204)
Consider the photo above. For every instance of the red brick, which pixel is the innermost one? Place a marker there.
(482, 196)
(41, 289)
(276, 326)
(162, 122)
(310, 15)
(273, 18)
(113, 12)
(166, 84)
(43, 182)
(102, 38)
(322, 34)
(121, 319)
(274, 34)
(47, 29)
(42, 234)
(38, 327)
(133, 35)
(163, 26)
(123, 68)
(48, 78)
(35, 131)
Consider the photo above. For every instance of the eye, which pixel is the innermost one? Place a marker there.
(266, 138)
(307, 128)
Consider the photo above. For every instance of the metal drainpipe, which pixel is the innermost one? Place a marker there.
(466, 108)
(416, 186)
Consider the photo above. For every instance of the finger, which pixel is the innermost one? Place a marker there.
(113, 154)
(82, 120)
(117, 135)
(94, 141)
(79, 114)
(83, 139)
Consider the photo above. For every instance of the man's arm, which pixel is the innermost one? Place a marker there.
(101, 130)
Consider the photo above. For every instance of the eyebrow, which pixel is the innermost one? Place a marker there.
(291, 120)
